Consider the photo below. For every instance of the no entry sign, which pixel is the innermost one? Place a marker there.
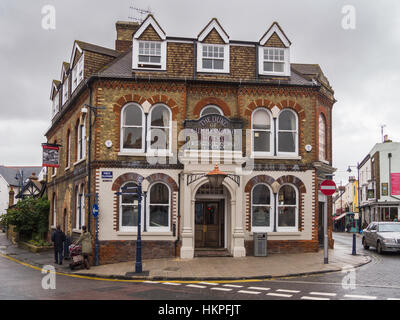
(328, 187)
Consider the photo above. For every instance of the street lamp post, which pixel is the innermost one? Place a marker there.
(358, 193)
(136, 191)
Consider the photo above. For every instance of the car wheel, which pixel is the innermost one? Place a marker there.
(364, 242)
(379, 248)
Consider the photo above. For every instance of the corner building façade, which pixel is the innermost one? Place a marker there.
(168, 110)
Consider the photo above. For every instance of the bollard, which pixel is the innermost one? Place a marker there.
(354, 245)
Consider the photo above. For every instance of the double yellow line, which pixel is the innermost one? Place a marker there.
(124, 280)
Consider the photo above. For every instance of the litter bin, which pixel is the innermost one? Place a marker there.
(260, 244)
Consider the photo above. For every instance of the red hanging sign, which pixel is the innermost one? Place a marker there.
(50, 155)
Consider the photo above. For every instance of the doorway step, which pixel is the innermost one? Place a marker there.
(212, 252)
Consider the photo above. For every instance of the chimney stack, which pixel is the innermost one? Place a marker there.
(33, 176)
(386, 139)
(125, 31)
(11, 197)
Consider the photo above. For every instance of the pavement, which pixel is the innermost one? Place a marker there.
(203, 268)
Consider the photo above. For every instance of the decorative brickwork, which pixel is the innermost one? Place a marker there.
(212, 100)
(162, 177)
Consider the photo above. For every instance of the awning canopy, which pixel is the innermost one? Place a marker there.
(340, 217)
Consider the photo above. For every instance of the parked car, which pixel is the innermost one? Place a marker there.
(384, 236)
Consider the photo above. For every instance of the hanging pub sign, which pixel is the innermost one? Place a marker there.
(50, 155)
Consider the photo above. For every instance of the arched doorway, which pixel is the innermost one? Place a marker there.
(210, 217)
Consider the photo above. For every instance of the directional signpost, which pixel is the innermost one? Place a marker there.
(328, 188)
(95, 213)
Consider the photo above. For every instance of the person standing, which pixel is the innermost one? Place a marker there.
(58, 237)
(86, 240)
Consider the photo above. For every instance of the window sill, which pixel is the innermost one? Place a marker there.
(255, 156)
(211, 72)
(67, 168)
(76, 231)
(278, 233)
(79, 161)
(147, 233)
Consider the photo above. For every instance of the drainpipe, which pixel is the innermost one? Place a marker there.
(179, 213)
(89, 157)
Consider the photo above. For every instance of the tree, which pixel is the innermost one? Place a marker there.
(29, 216)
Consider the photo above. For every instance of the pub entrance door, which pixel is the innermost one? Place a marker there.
(209, 224)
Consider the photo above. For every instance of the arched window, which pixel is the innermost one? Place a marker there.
(322, 137)
(68, 150)
(80, 207)
(262, 208)
(81, 152)
(287, 208)
(211, 109)
(54, 217)
(132, 128)
(261, 132)
(128, 208)
(159, 208)
(160, 128)
(287, 132)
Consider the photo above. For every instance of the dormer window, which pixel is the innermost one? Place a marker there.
(274, 52)
(213, 57)
(77, 73)
(149, 54)
(65, 91)
(56, 105)
(274, 60)
(149, 46)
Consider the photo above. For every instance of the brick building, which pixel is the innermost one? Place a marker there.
(170, 109)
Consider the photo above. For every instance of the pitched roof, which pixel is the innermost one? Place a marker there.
(97, 49)
(9, 173)
(122, 68)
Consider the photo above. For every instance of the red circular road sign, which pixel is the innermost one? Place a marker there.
(328, 187)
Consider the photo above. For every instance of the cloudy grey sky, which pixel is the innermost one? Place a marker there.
(362, 64)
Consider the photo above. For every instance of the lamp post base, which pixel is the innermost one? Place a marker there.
(135, 274)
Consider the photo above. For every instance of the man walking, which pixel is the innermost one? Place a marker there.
(58, 237)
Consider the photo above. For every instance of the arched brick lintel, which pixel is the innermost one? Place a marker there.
(281, 105)
(258, 179)
(293, 180)
(162, 177)
(127, 177)
(212, 100)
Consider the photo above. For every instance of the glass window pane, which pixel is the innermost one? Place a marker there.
(199, 213)
(287, 195)
(287, 120)
(268, 66)
(287, 217)
(132, 138)
(128, 198)
(261, 120)
(261, 216)
(155, 59)
(160, 117)
(219, 64)
(159, 194)
(262, 141)
(159, 138)
(133, 116)
(261, 194)
(129, 216)
(210, 110)
(287, 142)
(278, 67)
(207, 64)
(158, 216)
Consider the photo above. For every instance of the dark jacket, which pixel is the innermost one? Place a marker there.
(58, 237)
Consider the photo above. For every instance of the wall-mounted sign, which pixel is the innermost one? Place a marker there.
(107, 176)
(371, 194)
(385, 189)
(50, 155)
(395, 183)
(213, 132)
